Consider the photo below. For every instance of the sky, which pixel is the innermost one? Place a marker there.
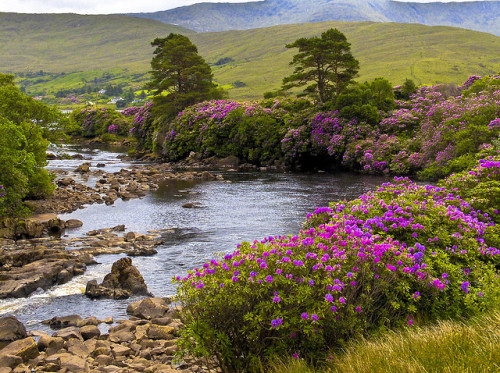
(111, 6)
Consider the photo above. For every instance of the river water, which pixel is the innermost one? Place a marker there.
(250, 206)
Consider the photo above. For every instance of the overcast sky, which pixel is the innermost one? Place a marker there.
(108, 6)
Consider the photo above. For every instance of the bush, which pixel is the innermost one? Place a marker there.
(24, 126)
(401, 254)
(99, 121)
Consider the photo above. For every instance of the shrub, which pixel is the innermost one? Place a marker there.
(400, 254)
(99, 121)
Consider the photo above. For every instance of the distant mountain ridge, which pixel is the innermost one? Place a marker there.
(209, 17)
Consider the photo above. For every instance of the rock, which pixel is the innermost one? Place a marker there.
(55, 345)
(228, 162)
(192, 205)
(25, 348)
(43, 341)
(9, 361)
(78, 348)
(124, 280)
(207, 176)
(160, 332)
(119, 228)
(11, 329)
(83, 168)
(63, 322)
(74, 364)
(65, 181)
(119, 350)
(89, 321)
(90, 331)
(103, 360)
(55, 226)
(101, 165)
(73, 223)
(149, 308)
(68, 333)
(129, 237)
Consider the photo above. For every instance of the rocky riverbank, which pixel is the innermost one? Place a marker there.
(145, 342)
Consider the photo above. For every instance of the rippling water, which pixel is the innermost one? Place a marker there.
(252, 206)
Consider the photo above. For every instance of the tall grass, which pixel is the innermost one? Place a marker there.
(449, 346)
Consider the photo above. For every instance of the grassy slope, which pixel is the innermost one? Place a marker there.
(449, 346)
(70, 42)
(395, 51)
(121, 45)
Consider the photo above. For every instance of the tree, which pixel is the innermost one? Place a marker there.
(325, 61)
(24, 125)
(180, 77)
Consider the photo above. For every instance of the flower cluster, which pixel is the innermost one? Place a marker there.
(402, 252)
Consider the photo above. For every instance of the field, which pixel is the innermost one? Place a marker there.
(116, 49)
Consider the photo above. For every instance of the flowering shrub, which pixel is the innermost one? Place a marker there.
(98, 121)
(250, 131)
(142, 126)
(400, 254)
(435, 133)
(480, 185)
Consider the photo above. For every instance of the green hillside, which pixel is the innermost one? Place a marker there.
(87, 48)
(395, 51)
(71, 42)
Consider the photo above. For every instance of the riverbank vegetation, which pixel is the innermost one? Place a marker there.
(402, 255)
(25, 127)
(454, 346)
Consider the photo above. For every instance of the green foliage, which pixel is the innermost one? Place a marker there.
(325, 61)
(364, 101)
(24, 126)
(406, 90)
(92, 121)
(180, 76)
(448, 346)
(401, 254)
(428, 55)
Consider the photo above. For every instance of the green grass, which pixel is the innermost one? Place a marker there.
(449, 346)
(83, 47)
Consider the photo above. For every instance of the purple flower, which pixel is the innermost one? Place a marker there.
(304, 316)
(329, 298)
(277, 322)
(314, 318)
(465, 286)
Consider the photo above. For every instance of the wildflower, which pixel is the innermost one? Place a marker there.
(304, 316)
(277, 322)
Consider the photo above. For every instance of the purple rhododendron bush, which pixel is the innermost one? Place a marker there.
(436, 132)
(401, 255)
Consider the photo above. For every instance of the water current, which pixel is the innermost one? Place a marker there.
(244, 207)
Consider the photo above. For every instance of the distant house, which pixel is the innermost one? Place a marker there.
(114, 100)
(102, 91)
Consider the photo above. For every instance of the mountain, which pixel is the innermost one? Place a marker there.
(207, 17)
(71, 42)
(73, 49)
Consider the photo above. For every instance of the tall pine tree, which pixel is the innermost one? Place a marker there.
(325, 63)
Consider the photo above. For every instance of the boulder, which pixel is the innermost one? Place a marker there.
(9, 361)
(63, 321)
(90, 331)
(11, 329)
(25, 348)
(68, 333)
(73, 223)
(83, 168)
(149, 308)
(123, 281)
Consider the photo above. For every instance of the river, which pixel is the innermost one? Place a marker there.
(244, 207)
